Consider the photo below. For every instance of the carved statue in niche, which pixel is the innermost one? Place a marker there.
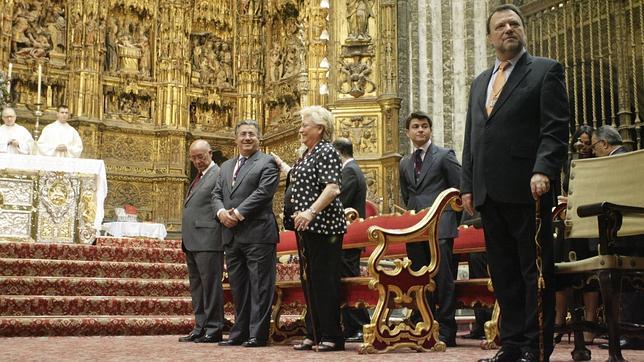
(354, 78)
(362, 131)
(111, 56)
(144, 45)
(127, 50)
(211, 61)
(209, 117)
(36, 29)
(276, 66)
(358, 14)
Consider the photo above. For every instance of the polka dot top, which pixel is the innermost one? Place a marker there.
(309, 177)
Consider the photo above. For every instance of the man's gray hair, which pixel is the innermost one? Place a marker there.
(248, 122)
(609, 134)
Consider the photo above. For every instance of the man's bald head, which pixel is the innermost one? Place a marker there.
(200, 154)
(9, 116)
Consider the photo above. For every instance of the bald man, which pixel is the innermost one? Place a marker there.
(14, 138)
(201, 242)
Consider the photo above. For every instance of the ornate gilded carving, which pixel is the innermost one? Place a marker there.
(127, 39)
(362, 131)
(38, 29)
(57, 207)
(134, 148)
(354, 76)
(358, 14)
(17, 192)
(212, 61)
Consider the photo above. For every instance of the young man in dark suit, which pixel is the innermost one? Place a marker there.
(515, 144)
(201, 242)
(243, 198)
(353, 193)
(424, 174)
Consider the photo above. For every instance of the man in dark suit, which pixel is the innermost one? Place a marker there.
(606, 141)
(424, 174)
(201, 242)
(515, 144)
(353, 193)
(243, 198)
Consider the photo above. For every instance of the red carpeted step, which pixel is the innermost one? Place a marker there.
(29, 250)
(32, 305)
(76, 268)
(29, 285)
(94, 325)
(137, 242)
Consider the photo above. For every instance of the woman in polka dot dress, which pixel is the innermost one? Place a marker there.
(312, 203)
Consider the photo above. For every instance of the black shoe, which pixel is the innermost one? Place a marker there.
(209, 338)
(357, 337)
(475, 334)
(626, 343)
(254, 342)
(330, 346)
(191, 337)
(528, 357)
(231, 342)
(303, 346)
(449, 342)
(504, 355)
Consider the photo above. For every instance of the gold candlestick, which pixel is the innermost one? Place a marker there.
(37, 113)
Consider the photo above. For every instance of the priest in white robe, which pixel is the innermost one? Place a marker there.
(14, 138)
(59, 139)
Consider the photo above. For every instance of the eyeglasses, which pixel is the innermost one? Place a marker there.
(593, 144)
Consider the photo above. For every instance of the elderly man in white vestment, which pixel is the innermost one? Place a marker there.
(14, 138)
(59, 139)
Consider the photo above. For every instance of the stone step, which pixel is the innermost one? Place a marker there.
(83, 325)
(137, 242)
(83, 286)
(44, 305)
(104, 269)
(58, 251)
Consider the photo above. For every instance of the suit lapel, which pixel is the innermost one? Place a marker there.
(521, 69)
(250, 163)
(427, 163)
(199, 185)
(482, 93)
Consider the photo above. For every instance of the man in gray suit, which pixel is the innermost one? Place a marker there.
(427, 172)
(243, 198)
(201, 242)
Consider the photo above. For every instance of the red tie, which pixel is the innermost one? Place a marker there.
(195, 181)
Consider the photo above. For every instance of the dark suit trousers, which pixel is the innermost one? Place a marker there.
(323, 253)
(444, 296)
(511, 251)
(251, 272)
(352, 318)
(205, 269)
(477, 264)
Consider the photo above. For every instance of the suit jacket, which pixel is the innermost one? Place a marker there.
(353, 192)
(526, 132)
(252, 195)
(200, 228)
(440, 171)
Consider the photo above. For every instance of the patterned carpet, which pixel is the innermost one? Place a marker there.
(166, 348)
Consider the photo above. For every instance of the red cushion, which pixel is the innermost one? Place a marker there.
(370, 209)
(469, 238)
(287, 242)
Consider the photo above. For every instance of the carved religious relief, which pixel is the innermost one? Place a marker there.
(212, 61)
(371, 179)
(138, 193)
(286, 57)
(358, 14)
(362, 132)
(354, 76)
(38, 29)
(212, 117)
(127, 36)
(132, 107)
(133, 148)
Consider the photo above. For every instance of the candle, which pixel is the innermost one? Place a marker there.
(9, 78)
(39, 82)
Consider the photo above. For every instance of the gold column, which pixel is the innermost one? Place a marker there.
(250, 59)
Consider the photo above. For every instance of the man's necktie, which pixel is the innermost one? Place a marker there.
(497, 86)
(195, 181)
(418, 162)
(242, 161)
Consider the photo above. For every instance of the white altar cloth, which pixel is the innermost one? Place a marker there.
(136, 229)
(62, 164)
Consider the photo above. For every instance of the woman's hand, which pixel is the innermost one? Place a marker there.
(302, 219)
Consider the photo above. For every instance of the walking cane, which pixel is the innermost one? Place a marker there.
(305, 279)
(541, 284)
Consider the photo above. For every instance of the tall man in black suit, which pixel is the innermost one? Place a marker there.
(353, 193)
(515, 144)
(424, 174)
(243, 198)
(201, 242)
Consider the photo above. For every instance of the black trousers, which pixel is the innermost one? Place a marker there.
(322, 255)
(251, 272)
(509, 238)
(352, 318)
(477, 264)
(444, 296)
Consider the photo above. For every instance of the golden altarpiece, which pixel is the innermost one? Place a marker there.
(143, 78)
